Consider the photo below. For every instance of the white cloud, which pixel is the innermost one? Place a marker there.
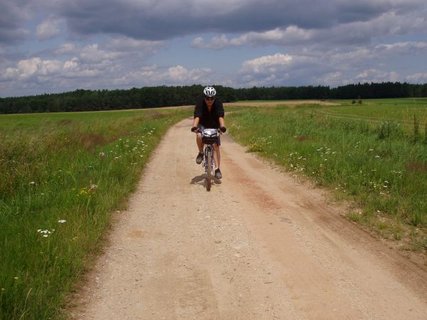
(267, 64)
(49, 70)
(335, 66)
(71, 65)
(77, 69)
(419, 77)
(375, 75)
(408, 47)
(175, 75)
(115, 49)
(32, 67)
(333, 79)
(353, 32)
(48, 29)
(66, 48)
(121, 43)
(93, 54)
(289, 35)
(180, 74)
(269, 70)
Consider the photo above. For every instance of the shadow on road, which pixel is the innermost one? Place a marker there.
(200, 180)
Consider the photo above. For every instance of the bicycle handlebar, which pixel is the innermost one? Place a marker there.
(197, 130)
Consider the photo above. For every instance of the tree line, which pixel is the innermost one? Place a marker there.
(160, 96)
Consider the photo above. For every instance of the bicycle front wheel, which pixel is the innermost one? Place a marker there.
(209, 169)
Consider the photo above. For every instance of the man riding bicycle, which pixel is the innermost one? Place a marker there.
(209, 113)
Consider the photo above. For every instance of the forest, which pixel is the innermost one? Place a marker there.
(160, 96)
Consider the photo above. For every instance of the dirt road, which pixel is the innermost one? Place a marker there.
(259, 245)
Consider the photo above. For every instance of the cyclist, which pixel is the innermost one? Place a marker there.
(209, 113)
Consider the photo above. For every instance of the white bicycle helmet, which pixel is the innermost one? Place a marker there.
(209, 92)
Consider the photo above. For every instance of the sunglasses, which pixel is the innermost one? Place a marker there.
(210, 98)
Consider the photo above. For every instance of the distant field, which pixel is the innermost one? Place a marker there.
(62, 176)
(373, 153)
(277, 103)
(400, 111)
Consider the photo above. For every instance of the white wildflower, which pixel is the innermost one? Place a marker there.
(45, 233)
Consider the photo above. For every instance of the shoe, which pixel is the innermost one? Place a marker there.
(218, 174)
(199, 158)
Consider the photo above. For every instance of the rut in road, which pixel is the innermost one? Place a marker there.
(259, 245)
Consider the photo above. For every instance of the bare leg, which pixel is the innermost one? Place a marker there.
(199, 142)
(217, 156)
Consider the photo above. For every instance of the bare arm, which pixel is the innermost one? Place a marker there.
(221, 122)
(196, 121)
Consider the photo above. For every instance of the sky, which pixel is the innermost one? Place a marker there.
(53, 46)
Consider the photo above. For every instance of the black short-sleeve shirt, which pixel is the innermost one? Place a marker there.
(209, 119)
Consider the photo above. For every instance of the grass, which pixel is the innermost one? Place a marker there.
(62, 177)
(400, 111)
(373, 154)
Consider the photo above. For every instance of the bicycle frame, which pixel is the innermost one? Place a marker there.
(209, 138)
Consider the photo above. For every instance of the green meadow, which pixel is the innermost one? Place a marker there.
(372, 153)
(62, 178)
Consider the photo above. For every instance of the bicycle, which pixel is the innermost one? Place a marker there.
(209, 138)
